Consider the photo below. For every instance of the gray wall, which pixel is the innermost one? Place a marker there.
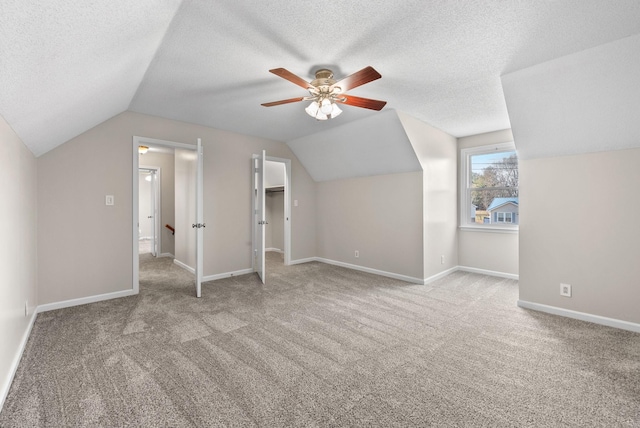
(380, 216)
(578, 226)
(72, 186)
(18, 252)
(576, 128)
(186, 164)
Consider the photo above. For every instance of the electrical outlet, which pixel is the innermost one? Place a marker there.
(565, 290)
(109, 200)
(356, 254)
(442, 259)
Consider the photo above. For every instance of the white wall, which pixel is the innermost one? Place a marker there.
(436, 152)
(380, 216)
(72, 186)
(18, 252)
(491, 251)
(578, 225)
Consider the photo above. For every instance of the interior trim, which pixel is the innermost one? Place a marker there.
(582, 316)
(489, 272)
(84, 300)
(6, 386)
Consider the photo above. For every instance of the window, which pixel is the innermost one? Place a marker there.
(489, 187)
(503, 218)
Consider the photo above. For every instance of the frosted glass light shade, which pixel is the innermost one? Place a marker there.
(335, 111)
(326, 106)
(312, 109)
(315, 111)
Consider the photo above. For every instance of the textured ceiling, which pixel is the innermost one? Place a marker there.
(66, 66)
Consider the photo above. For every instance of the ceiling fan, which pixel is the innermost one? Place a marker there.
(325, 92)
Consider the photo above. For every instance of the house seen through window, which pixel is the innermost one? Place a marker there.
(490, 186)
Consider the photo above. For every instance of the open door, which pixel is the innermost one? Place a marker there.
(260, 217)
(199, 224)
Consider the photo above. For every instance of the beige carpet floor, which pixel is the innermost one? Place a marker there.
(323, 346)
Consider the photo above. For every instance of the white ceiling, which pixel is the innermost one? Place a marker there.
(66, 66)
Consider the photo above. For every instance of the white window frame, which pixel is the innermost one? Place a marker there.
(504, 217)
(465, 190)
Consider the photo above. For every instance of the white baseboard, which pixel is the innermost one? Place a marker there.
(376, 271)
(300, 261)
(6, 385)
(275, 250)
(226, 274)
(167, 255)
(489, 272)
(439, 275)
(215, 276)
(84, 300)
(184, 266)
(370, 270)
(582, 316)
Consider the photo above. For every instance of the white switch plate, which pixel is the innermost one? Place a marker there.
(295, 202)
(109, 200)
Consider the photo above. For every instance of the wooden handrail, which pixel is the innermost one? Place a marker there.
(173, 231)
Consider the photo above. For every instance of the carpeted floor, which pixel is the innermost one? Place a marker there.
(321, 345)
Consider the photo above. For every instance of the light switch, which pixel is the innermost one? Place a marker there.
(109, 200)
(295, 202)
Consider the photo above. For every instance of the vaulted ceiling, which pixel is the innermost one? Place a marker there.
(68, 65)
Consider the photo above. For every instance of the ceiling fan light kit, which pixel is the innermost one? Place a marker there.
(327, 110)
(325, 92)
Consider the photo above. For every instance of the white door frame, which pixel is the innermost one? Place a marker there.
(287, 209)
(137, 141)
(199, 226)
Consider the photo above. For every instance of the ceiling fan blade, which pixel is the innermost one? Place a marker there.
(277, 103)
(286, 74)
(361, 102)
(366, 75)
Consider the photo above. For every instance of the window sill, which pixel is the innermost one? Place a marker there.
(489, 229)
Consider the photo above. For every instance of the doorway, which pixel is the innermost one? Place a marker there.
(274, 184)
(149, 213)
(166, 229)
(271, 226)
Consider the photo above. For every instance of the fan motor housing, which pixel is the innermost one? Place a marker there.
(324, 77)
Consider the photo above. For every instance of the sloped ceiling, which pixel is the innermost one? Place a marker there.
(374, 145)
(68, 65)
(585, 102)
